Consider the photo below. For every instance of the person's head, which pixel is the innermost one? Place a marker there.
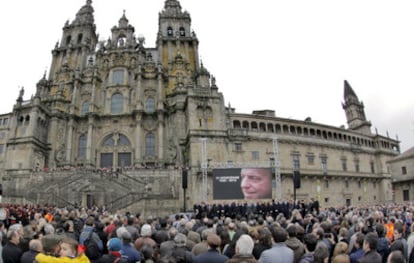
(292, 230)
(180, 240)
(114, 244)
(68, 247)
(370, 242)
(213, 241)
(310, 242)
(321, 254)
(256, 183)
(359, 240)
(35, 245)
(265, 237)
(126, 237)
(396, 256)
(244, 245)
(90, 221)
(380, 229)
(51, 244)
(341, 258)
(340, 248)
(279, 234)
(398, 230)
(146, 230)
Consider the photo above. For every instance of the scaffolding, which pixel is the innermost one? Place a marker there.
(276, 168)
(204, 168)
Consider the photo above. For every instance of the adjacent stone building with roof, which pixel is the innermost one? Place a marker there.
(116, 123)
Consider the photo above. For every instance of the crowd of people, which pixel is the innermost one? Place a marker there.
(270, 232)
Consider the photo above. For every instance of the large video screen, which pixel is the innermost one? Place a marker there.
(242, 183)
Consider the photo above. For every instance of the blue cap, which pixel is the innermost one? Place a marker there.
(114, 244)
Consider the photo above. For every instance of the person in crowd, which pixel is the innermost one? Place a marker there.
(341, 258)
(279, 251)
(202, 247)
(359, 252)
(12, 252)
(383, 243)
(88, 230)
(294, 243)
(35, 247)
(128, 250)
(399, 241)
(212, 255)
(410, 240)
(321, 255)
(264, 242)
(146, 233)
(148, 254)
(180, 251)
(310, 242)
(114, 246)
(370, 249)
(68, 253)
(340, 248)
(396, 256)
(244, 249)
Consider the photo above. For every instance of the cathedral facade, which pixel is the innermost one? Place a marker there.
(122, 125)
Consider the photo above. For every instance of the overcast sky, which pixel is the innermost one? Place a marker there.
(289, 56)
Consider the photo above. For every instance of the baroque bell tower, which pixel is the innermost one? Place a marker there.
(354, 110)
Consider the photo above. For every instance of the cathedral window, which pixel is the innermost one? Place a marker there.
(236, 124)
(182, 32)
(116, 151)
(311, 158)
(117, 103)
(109, 141)
(296, 161)
(118, 77)
(371, 164)
(85, 108)
(356, 166)
(107, 160)
(150, 144)
(150, 105)
(238, 147)
(82, 147)
(255, 155)
(324, 163)
(170, 31)
(344, 165)
(27, 120)
(123, 140)
(124, 159)
(68, 39)
(79, 41)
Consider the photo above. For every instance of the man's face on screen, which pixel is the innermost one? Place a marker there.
(256, 183)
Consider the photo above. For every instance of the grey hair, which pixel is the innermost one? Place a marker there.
(49, 229)
(244, 245)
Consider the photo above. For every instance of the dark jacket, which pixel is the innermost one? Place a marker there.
(297, 247)
(11, 253)
(28, 256)
(239, 258)
(383, 248)
(307, 258)
(212, 255)
(371, 257)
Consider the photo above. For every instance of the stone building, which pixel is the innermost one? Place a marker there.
(402, 171)
(116, 123)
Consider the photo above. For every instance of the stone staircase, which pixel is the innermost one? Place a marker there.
(115, 191)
